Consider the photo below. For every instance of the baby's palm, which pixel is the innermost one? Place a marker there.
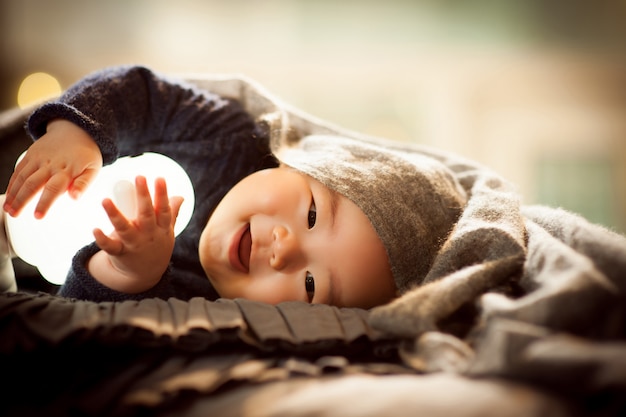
(140, 249)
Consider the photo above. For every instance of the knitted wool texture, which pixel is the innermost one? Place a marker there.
(413, 201)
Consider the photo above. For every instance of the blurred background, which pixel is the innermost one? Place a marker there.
(535, 89)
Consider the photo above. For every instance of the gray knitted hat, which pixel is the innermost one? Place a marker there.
(412, 200)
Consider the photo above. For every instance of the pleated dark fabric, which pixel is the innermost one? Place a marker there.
(66, 357)
(192, 326)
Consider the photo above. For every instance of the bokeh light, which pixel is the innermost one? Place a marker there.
(36, 88)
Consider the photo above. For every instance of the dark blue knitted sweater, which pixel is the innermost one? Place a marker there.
(130, 110)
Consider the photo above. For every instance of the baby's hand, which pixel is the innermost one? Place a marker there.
(66, 158)
(135, 256)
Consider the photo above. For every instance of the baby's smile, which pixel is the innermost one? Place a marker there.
(240, 248)
(245, 248)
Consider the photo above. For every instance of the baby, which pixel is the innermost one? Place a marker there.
(328, 220)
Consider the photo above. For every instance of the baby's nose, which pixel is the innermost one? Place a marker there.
(285, 248)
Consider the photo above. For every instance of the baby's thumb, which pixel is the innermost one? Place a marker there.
(175, 203)
(81, 182)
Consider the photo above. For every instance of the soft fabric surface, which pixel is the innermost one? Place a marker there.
(227, 358)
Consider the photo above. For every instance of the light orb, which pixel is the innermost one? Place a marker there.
(50, 243)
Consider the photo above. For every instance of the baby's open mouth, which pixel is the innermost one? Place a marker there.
(245, 248)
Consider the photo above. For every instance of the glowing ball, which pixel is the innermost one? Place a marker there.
(50, 243)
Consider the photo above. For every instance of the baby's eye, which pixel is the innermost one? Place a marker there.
(312, 215)
(309, 285)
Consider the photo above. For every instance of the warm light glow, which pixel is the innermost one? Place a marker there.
(50, 243)
(36, 88)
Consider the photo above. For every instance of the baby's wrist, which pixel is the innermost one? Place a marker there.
(101, 267)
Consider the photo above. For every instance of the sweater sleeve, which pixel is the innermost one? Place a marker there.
(130, 110)
(82, 285)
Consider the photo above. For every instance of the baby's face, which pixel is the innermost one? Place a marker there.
(279, 235)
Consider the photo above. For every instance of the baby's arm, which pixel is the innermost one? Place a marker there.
(136, 255)
(125, 111)
(65, 158)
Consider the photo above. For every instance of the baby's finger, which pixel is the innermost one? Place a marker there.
(23, 188)
(15, 182)
(111, 246)
(175, 203)
(81, 182)
(54, 187)
(120, 223)
(145, 209)
(19, 175)
(162, 207)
